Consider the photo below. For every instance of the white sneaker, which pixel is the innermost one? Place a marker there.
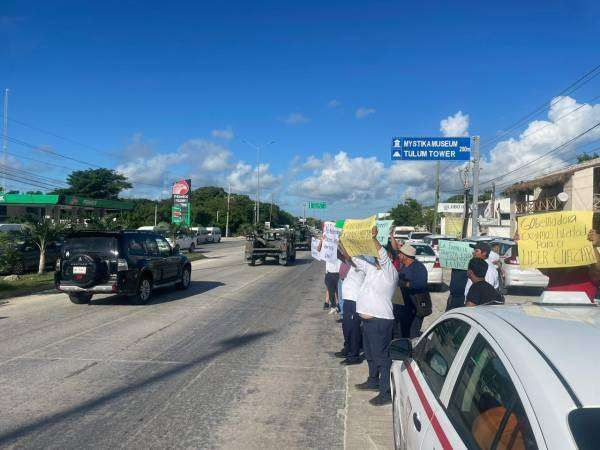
(332, 310)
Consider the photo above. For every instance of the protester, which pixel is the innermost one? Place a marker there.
(458, 283)
(351, 320)
(481, 292)
(575, 279)
(332, 276)
(494, 257)
(413, 283)
(374, 304)
(482, 250)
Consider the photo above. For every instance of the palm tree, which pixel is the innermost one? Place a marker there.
(42, 232)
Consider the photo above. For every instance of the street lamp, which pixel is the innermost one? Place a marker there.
(258, 148)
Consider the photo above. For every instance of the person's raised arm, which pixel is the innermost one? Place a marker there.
(594, 237)
(394, 242)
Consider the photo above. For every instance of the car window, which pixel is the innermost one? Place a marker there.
(164, 248)
(424, 250)
(136, 246)
(484, 407)
(437, 350)
(151, 246)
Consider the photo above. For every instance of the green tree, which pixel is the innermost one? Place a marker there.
(409, 213)
(96, 183)
(583, 157)
(8, 253)
(42, 232)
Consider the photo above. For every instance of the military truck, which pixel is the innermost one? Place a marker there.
(303, 237)
(277, 243)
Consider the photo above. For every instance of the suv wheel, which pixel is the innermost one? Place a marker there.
(144, 291)
(80, 298)
(186, 277)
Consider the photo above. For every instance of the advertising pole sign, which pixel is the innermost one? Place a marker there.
(431, 148)
(181, 210)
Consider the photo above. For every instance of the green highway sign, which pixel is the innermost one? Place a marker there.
(317, 205)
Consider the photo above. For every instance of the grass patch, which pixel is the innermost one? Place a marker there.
(27, 284)
(195, 256)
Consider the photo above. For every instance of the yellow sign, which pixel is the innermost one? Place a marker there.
(557, 239)
(357, 237)
(453, 226)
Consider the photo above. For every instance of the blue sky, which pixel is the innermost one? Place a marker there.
(168, 90)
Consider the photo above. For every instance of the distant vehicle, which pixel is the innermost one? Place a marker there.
(277, 243)
(214, 234)
(418, 236)
(427, 256)
(11, 227)
(303, 237)
(434, 241)
(27, 255)
(132, 263)
(201, 235)
(473, 379)
(402, 232)
(514, 275)
(183, 240)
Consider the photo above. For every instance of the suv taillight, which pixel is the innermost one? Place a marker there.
(122, 265)
(512, 260)
(437, 265)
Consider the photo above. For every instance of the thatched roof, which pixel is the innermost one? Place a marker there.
(552, 178)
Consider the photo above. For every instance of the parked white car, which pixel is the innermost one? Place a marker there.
(427, 256)
(214, 234)
(434, 241)
(498, 377)
(201, 234)
(401, 232)
(516, 276)
(185, 241)
(418, 236)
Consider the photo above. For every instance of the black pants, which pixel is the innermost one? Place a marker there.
(351, 329)
(403, 320)
(377, 335)
(331, 283)
(455, 301)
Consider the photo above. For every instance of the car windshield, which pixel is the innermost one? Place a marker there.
(419, 235)
(103, 245)
(424, 250)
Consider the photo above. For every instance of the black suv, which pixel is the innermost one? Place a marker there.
(132, 263)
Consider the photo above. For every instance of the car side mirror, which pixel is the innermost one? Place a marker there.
(401, 349)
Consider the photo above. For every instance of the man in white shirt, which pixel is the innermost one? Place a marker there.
(482, 250)
(374, 304)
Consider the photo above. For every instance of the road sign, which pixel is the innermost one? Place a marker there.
(317, 205)
(431, 148)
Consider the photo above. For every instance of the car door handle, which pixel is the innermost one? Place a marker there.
(417, 421)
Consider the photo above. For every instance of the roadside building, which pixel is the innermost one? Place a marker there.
(58, 207)
(494, 220)
(575, 188)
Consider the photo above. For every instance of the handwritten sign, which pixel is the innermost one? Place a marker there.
(383, 231)
(557, 239)
(455, 254)
(331, 237)
(314, 249)
(357, 237)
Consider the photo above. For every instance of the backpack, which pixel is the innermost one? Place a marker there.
(423, 305)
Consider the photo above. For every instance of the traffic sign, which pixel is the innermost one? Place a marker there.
(431, 148)
(317, 205)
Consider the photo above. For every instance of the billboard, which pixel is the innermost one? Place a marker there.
(431, 148)
(181, 210)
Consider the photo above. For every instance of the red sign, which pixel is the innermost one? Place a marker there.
(181, 187)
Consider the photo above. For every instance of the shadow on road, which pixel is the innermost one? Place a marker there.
(163, 295)
(85, 407)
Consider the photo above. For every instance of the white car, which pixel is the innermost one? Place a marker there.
(427, 256)
(201, 235)
(418, 235)
(214, 234)
(184, 241)
(514, 275)
(434, 241)
(503, 377)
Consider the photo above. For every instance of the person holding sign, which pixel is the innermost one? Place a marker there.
(374, 304)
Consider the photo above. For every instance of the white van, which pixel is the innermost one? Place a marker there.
(183, 240)
(11, 227)
(214, 234)
(201, 235)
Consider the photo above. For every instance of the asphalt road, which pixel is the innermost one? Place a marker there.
(240, 360)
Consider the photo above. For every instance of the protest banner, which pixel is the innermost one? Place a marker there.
(357, 237)
(454, 254)
(557, 239)
(314, 249)
(331, 237)
(383, 231)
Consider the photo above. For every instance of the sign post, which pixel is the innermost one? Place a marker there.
(181, 211)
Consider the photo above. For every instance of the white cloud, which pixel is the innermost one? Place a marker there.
(343, 178)
(243, 178)
(566, 119)
(295, 118)
(226, 133)
(363, 112)
(206, 155)
(334, 103)
(312, 162)
(456, 125)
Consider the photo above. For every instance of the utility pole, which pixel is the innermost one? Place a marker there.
(5, 139)
(227, 219)
(155, 212)
(217, 217)
(304, 212)
(271, 212)
(475, 208)
(437, 197)
(464, 178)
(257, 148)
(493, 204)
